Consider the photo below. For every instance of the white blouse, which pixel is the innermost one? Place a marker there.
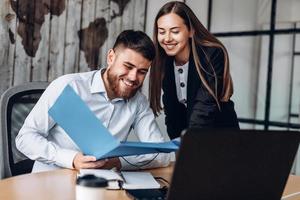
(181, 76)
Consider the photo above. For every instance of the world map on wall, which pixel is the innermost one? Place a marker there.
(31, 16)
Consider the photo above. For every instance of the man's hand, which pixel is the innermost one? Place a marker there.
(87, 162)
(111, 163)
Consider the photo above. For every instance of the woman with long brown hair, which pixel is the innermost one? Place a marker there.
(192, 68)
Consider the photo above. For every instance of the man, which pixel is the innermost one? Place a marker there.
(113, 95)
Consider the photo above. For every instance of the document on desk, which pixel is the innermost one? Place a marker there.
(124, 179)
(91, 136)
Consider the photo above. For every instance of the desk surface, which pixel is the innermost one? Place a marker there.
(60, 184)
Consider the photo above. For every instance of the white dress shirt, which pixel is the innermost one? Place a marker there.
(43, 140)
(181, 76)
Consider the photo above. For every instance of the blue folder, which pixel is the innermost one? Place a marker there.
(87, 131)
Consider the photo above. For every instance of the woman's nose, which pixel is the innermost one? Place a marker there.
(168, 37)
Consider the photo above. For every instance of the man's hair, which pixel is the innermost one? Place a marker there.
(137, 41)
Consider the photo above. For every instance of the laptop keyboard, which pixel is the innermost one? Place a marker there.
(148, 194)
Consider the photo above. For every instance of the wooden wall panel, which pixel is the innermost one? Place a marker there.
(102, 11)
(5, 68)
(24, 42)
(72, 41)
(139, 15)
(40, 60)
(43, 39)
(57, 45)
(128, 15)
(114, 26)
(88, 16)
(22, 63)
(12, 25)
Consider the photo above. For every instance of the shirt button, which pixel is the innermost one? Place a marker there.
(182, 84)
(180, 70)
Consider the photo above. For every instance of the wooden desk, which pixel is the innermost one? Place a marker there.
(60, 184)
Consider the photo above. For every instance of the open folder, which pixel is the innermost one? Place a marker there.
(87, 131)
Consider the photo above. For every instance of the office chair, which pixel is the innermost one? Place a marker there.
(15, 104)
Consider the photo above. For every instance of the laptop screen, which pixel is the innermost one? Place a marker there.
(233, 164)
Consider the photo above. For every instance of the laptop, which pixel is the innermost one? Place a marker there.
(233, 164)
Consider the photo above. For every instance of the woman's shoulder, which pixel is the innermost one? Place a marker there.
(210, 51)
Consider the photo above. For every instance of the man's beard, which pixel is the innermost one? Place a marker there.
(114, 82)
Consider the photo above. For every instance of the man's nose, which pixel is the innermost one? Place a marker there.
(132, 75)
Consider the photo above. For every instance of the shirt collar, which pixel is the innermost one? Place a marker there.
(97, 85)
(181, 66)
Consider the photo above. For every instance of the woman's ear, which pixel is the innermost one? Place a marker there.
(191, 34)
(110, 57)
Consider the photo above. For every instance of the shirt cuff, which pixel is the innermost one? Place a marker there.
(65, 158)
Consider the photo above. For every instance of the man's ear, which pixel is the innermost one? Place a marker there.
(110, 57)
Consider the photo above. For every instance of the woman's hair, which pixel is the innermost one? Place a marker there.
(201, 37)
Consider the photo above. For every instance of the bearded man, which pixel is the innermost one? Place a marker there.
(113, 94)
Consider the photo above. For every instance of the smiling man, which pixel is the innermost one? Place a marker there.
(113, 94)
(125, 73)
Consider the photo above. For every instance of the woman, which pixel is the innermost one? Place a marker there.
(192, 68)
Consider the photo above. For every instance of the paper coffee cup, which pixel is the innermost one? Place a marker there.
(90, 187)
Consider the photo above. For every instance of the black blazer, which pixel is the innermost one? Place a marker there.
(202, 110)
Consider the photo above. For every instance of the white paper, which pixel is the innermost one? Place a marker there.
(139, 180)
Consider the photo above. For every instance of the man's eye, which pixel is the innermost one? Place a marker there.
(143, 72)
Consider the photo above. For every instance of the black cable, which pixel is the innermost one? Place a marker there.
(162, 179)
(142, 165)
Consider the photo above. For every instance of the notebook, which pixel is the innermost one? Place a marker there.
(124, 179)
(233, 164)
(91, 136)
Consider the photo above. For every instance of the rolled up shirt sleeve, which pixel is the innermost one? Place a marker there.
(33, 138)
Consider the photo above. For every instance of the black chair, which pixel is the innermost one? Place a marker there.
(15, 104)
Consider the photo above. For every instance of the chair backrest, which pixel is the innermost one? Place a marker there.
(15, 104)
